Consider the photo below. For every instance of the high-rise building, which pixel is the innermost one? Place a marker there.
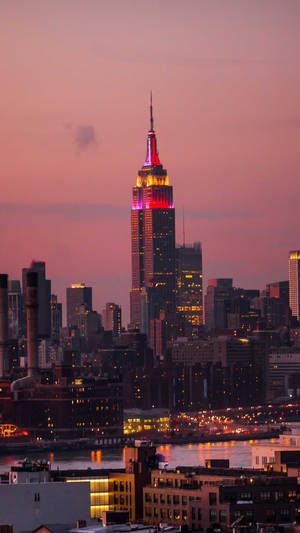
(112, 318)
(189, 303)
(294, 283)
(77, 295)
(152, 234)
(218, 302)
(44, 294)
(56, 317)
(278, 289)
(14, 309)
(273, 304)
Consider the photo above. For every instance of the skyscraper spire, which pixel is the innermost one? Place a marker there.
(151, 112)
(152, 151)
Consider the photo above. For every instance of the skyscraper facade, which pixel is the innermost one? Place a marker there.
(218, 302)
(112, 318)
(56, 317)
(294, 283)
(77, 295)
(152, 234)
(189, 298)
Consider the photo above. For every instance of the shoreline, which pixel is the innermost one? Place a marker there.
(11, 448)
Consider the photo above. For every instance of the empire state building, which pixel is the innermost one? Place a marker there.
(152, 236)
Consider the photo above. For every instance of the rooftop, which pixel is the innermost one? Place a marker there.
(121, 527)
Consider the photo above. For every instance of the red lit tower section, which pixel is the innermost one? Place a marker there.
(152, 236)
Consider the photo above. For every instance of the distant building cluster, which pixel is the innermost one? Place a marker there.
(177, 355)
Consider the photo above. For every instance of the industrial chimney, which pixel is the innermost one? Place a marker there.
(32, 308)
(32, 323)
(3, 325)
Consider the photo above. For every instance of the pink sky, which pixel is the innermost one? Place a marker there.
(75, 82)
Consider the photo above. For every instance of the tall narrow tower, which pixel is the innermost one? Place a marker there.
(294, 283)
(152, 237)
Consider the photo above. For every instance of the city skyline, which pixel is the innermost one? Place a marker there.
(228, 136)
(150, 285)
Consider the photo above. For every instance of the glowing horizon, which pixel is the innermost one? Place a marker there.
(74, 112)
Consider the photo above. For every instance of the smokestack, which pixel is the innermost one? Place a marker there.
(3, 325)
(32, 323)
(32, 308)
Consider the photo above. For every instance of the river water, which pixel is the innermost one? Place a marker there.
(238, 453)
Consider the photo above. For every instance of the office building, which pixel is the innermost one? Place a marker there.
(44, 295)
(56, 317)
(263, 453)
(158, 338)
(112, 318)
(294, 283)
(218, 303)
(273, 305)
(77, 295)
(70, 406)
(152, 420)
(189, 352)
(30, 498)
(118, 489)
(203, 498)
(278, 289)
(189, 297)
(283, 368)
(152, 234)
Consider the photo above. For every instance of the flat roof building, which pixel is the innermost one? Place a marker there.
(77, 295)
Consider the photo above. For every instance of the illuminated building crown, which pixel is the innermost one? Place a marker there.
(152, 152)
(152, 171)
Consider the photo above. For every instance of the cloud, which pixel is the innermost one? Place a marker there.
(85, 211)
(221, 213)
(67, 210)
(292, 122)
(85, 136)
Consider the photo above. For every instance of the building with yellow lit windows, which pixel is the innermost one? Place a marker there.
(118, 489)
(138, 420)
(294, 283)
(77, 295)
(111, 491)
(189, 276)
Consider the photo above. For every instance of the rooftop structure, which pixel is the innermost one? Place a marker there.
(264, 452)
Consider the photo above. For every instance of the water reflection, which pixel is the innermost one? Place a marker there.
(238, 453)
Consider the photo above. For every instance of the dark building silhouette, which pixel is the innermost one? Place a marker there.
(278, 289)
(273, 305)
(158, 338)
(71, 405)
(44, 295)
(189, 304)
(152, 234)
(56, 317)
(218, 302)
(77, 295)
(14, 309)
